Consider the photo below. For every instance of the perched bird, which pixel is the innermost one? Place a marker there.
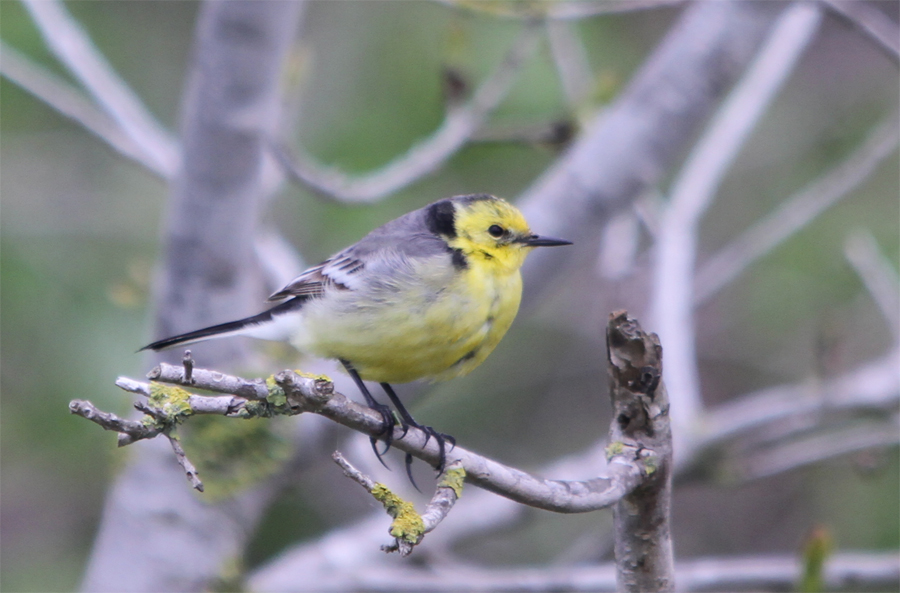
(428, 295)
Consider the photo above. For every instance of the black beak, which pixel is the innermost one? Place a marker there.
(537, 241)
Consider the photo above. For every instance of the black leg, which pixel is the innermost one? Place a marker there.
(386, 415)
(407, 420)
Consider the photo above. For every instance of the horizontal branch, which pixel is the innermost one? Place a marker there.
(560, 9)
(290, 393)
(816, 448)
(874, 385)
(843, 571)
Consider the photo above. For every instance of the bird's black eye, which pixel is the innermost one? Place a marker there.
(496, 230)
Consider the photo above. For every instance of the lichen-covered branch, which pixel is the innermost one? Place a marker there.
(289, 393)
(409, 527)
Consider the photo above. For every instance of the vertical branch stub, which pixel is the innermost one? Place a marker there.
(640, 427)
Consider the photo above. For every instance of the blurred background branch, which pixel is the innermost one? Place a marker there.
(459, 126)
(74, 48)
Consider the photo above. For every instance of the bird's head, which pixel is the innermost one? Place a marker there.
(487, 228)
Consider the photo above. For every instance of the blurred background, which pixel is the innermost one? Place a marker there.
(81, 229)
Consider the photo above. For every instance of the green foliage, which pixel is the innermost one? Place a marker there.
(233, 454)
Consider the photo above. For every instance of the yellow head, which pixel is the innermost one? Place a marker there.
(491, 230)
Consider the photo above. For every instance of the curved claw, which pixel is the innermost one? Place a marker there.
(374, 442)
(440, 438)
(408, 462)
(387, 432)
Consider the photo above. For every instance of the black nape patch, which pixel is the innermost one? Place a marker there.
(459, 259)
(440, 218)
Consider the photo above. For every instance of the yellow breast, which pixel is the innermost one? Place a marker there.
(433, 332)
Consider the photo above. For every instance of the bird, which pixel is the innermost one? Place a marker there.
(428, 295)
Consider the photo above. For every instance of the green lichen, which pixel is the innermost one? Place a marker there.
(454, 478)
(614, 448)
(407, 525)
(233, 455)
(172, 402)
(277, 397)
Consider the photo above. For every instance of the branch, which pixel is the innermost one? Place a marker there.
(571, 61)
(878, 276)
(644, 560)
(288, 393)
(872, 22)
(71, 103)
(876, 571)
(229, 110)
(458, 127)
(797, 211)
(72, 46)
(871, 387)
(559, 10)
(817, 448)
(694, 190)
(635, 141)
(639, 453)
(409, 527)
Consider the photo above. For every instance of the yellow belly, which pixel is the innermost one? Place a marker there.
(426, 334)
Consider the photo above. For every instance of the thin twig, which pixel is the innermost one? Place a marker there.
(878, 276)
(351, 472)
(445, 496)
(109, 421)
(70, 102)
(797, 211)
(74, 48)
(189, 469)
(425, 157)
(694, 190)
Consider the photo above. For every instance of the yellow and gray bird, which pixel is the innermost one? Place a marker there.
(428, 295)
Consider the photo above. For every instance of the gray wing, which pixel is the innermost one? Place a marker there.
(404, 238)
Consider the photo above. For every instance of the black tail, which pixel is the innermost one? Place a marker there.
(225, 329)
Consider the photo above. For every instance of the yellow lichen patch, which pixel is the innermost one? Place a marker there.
(407, 525)
(651, 463)
(314, 376)
(454, 478)
(613, 449)
(174, 402)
